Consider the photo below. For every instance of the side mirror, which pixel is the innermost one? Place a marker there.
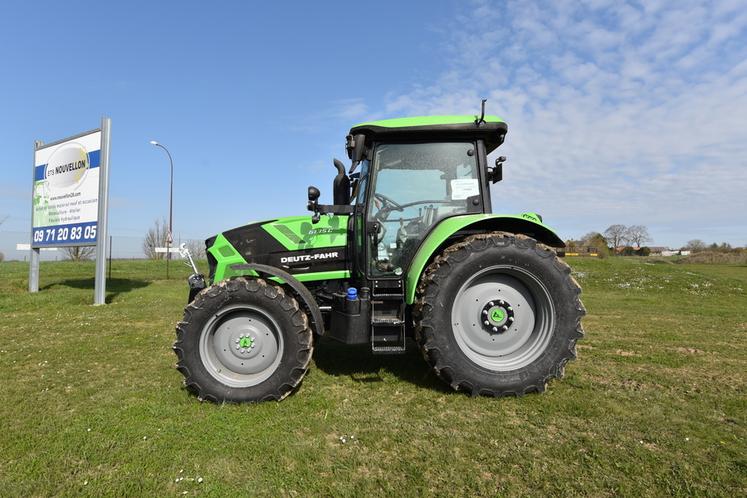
(359, 147)
(313, 204)
(356, 148)
(496, 174)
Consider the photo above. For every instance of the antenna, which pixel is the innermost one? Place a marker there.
(481, 119)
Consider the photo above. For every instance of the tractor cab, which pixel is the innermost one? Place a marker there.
(407, 175)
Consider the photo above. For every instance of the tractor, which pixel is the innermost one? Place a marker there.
(409, 251)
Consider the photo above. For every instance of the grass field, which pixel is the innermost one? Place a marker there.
(656, 404)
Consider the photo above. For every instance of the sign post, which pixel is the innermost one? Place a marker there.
(99, 292)
(70, 199)
(34, 255)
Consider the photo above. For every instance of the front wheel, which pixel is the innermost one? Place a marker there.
(243, 339)
(498, 314)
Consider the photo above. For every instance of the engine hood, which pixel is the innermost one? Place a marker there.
(293, 244)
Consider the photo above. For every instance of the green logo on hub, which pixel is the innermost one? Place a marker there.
(497, 314)
(245, 342)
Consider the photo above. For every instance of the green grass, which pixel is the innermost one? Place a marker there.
(655, 405)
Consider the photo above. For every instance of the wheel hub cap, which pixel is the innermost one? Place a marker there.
(497, 316)
(245, 344)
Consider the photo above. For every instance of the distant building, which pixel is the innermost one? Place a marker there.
(672, 252)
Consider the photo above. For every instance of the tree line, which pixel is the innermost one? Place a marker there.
(631, 241)
(697, 245)
(616, 239)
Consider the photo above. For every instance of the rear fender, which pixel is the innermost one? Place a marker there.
(452, 229)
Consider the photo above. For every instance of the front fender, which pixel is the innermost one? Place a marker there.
(525, 223)
(300, 292)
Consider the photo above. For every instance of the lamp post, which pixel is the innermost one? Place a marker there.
(169, 237)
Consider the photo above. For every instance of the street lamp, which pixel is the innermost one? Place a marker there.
(169, 237)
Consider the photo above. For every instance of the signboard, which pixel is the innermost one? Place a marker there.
(66, 192)
(70, 200)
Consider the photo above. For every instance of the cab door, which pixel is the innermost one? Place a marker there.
(413, 186)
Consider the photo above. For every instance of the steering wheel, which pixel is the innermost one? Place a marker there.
(386, 200)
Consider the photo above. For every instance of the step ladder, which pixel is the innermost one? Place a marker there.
(388, 326)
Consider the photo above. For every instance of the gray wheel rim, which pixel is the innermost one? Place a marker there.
(241, 346)
(526, 337)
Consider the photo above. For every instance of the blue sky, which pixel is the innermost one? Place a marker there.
(618, 112)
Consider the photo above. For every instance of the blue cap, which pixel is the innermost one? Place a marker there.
(352, 293)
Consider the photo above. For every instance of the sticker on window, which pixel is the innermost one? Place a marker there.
(463, 188)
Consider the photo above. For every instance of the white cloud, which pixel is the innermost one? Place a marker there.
(618, 113)
(349, 109)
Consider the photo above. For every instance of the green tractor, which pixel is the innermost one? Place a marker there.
(409, 249)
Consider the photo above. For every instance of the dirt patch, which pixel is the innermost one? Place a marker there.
(684, 350)
(620, 352)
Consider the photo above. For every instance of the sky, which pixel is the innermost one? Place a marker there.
(618, 112)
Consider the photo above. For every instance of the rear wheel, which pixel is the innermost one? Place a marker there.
(243, 339)
(498, 314)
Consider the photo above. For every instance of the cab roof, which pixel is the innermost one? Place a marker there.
(492, 130)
